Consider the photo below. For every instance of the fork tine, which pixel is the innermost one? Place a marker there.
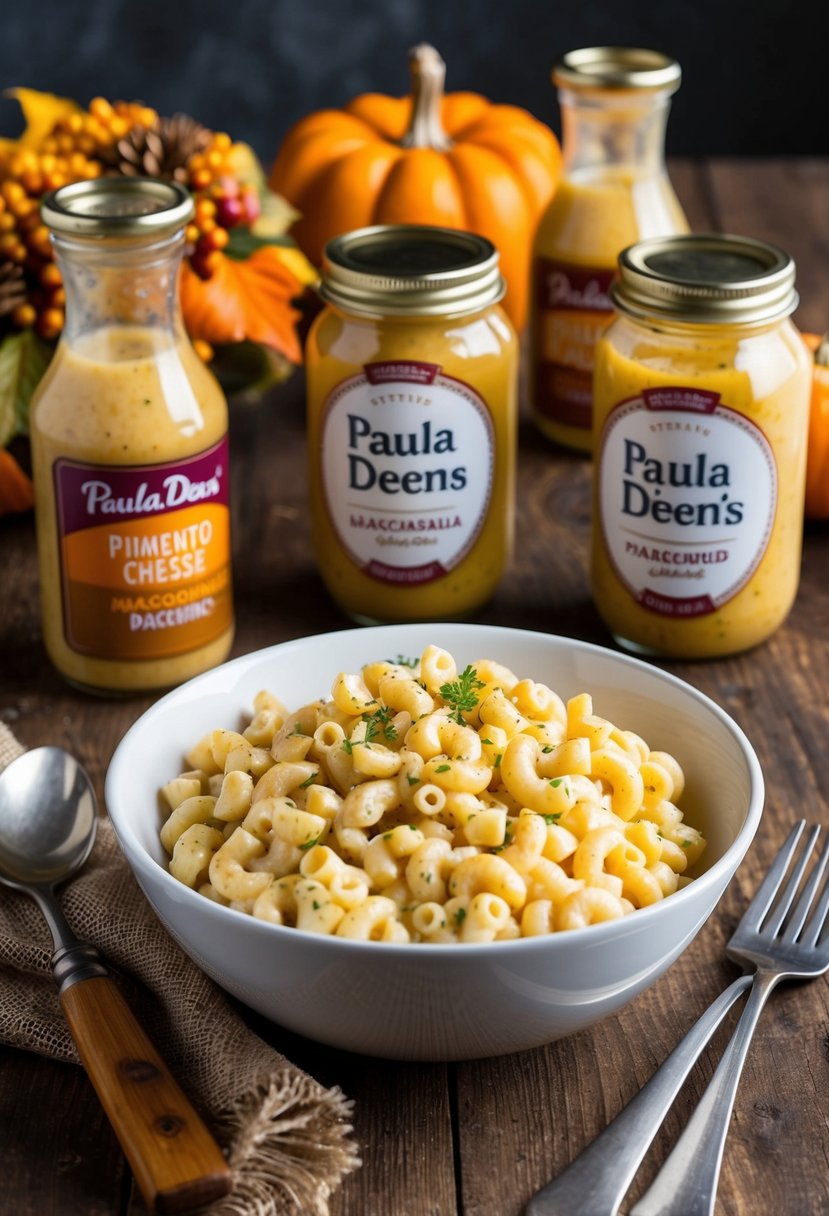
(766, 892)
(804, 904)
(771, 928)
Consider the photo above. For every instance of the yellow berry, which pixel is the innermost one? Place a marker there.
(50, 276)
(100, 107)
(23, 316)
(12, 192)
(203, 349)
(217, 238)
(201, 179)
(50, 323)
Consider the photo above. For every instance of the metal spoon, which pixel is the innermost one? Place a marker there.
(48, 817)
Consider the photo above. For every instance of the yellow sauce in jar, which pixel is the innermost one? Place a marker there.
(700, 429)
(412, 419)
(615, 191)
(129, 448)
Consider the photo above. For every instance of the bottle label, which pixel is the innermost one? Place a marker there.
(145, 555)
(573, 308)
(687, 495)
(407, 467)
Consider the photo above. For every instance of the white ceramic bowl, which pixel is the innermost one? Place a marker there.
(440, 1002)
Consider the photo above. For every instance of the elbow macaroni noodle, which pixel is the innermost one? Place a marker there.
(424, 804)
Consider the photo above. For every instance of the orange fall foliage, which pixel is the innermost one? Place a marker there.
(244, 301)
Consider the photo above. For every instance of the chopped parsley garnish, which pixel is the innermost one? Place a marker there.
(412, 780)
(546, 750)
(304, 785)
(379, 723)
(461, 694)
(487, 743)
(556, 782)
(552, 818)
(443, 768)
(460, 916)
(403, 661)
(309, 844)
(497, 763)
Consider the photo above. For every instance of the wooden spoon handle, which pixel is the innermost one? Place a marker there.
(175, 1160)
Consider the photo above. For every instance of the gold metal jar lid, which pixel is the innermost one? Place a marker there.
(117, 206)
(411, 270)
(617, 67)
(707, 279)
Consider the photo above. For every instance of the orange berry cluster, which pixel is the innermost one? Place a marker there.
(24, 240)
(221, 204)
(71, 152)
(82, 146)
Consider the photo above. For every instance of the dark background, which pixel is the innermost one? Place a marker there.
(755, 74)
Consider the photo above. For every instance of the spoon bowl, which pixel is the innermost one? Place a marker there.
(48, 818)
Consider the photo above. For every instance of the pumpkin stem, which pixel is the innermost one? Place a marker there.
(428, 73)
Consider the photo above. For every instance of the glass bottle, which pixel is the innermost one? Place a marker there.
(614, 191)
(129, 449)
(700, 430)
(412, 372)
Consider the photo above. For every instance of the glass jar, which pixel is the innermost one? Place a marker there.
(701, 425)
(614, 191)
(130, 455)
(412, 387)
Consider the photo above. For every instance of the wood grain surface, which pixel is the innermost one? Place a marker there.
(478, 1138)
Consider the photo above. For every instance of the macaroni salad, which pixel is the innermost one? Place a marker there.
(420, 803)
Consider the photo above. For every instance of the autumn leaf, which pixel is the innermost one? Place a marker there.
(16, 490)
(40, 112)
(244, 301)
(23, 360)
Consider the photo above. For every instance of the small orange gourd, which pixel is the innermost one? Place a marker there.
(817, 466)
(455, 160)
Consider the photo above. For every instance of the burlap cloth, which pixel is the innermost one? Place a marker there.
(287, 1138)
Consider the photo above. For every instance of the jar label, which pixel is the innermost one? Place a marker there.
(573, 308)
(407, 469)
(687, 493)
(145, 555)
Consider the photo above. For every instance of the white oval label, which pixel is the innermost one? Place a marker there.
(407, 466)
(687, 496)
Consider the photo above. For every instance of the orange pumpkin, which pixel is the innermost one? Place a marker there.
(817, 466)
(454, 160)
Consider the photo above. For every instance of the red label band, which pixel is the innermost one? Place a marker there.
(145, 556)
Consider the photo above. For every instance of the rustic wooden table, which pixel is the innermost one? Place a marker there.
(477, 1139)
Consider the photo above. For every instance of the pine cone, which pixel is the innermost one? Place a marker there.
(162, 150)
(12, 287)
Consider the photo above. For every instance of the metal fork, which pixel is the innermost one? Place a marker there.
(777, 947)
(597, 1181)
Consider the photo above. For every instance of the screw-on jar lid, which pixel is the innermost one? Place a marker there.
(617, 67)
(707, 279)
(411, 270)
(117, 206)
